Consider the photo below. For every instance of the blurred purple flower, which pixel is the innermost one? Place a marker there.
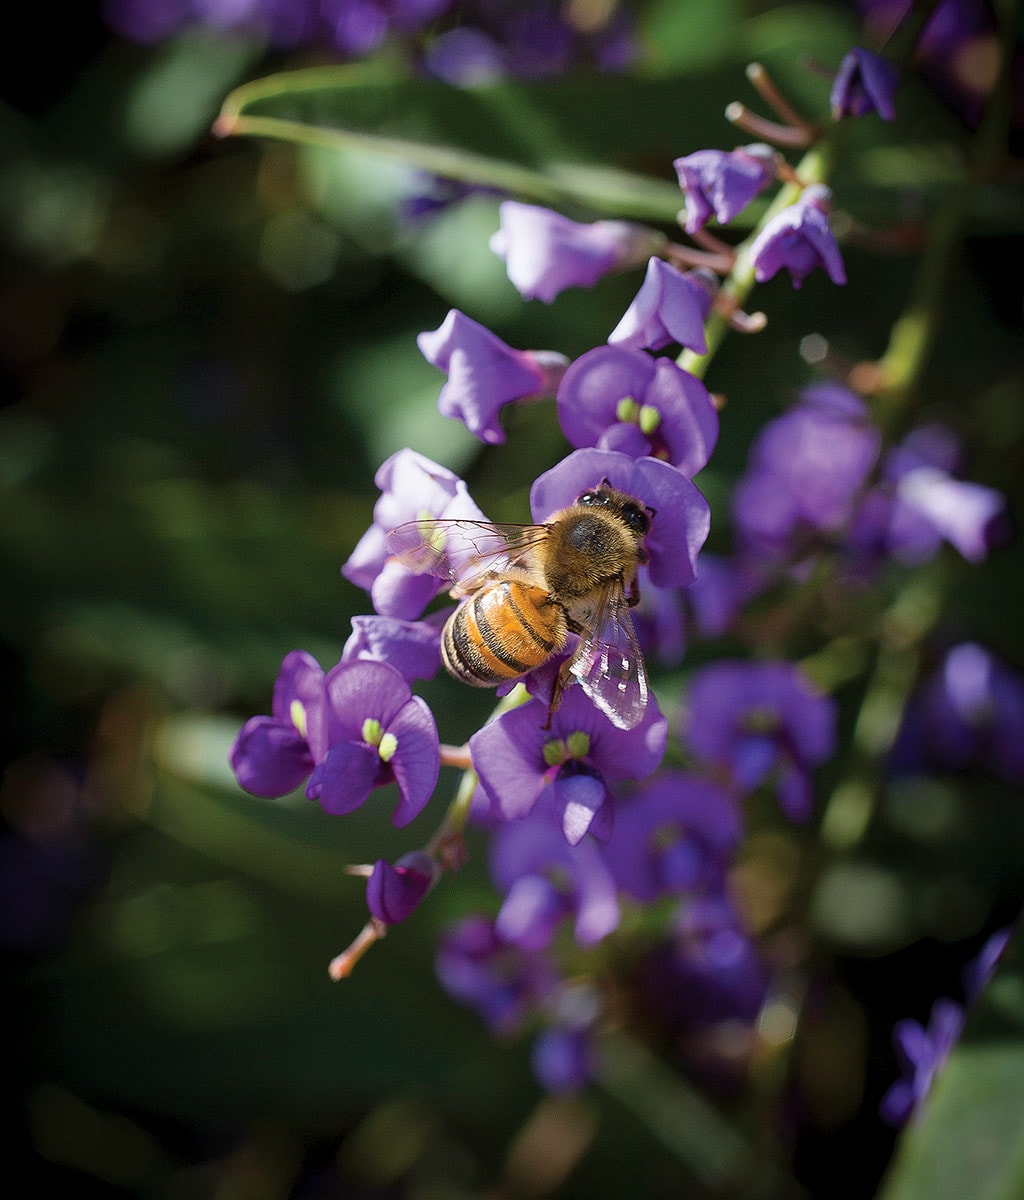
(616, 398)
(969, 713)
(865, 83)
(723, 182)
(805, 472)
(517, 760)
(979, 971)
(922, 1054)
(546, 881)
(504, 983)
(562, 1055)
(545, 252)
(761, 722)
(394, 892)
(412, 487)
(677, 834)
(799, 238)
(670, 307)
(484, 373)
(682, 518)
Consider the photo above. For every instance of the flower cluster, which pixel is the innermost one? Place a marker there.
(583, 823)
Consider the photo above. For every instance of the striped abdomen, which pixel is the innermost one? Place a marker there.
(505, 630)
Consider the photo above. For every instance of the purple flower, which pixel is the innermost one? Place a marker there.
(517, 760)
(352, 730)
(723, 182)
(761, 722)
(562, 1055)
(682, 517)
(864, 83)
(979, 971)
(799, 238)
(394, 892)
(503, 982)
(678, 834)
(274, 755)
(546, 881)
(922, 1054)
(969, 713)
(805, 471)
(545, 253)
(615, 398)
(412, 647)
(484, 373)
(412, 488)
(378, 733)
(669, 307)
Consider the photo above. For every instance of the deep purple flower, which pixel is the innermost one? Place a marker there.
(484, 373)
(669, 307)
(545, 253)
(546, 881)
(615, 398)
(412, 488)
(799, 238)
(504, 983)
(865, 83)
(762, 722)
(274, 755)
(378, 733)
(677, 834)
(413, 648)
(723, 182)
(682, 518)
(922, 1054)
(805, 472)
(969, 713)
(517, 760)
(394, 892)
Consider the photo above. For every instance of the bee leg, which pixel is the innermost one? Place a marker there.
(633, 595)
(562, 679)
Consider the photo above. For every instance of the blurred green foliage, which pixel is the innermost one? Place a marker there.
(209, 347)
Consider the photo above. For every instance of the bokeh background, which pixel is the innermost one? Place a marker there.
(208, 348)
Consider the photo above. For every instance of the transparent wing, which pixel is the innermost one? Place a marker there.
(462, 551)
(609, 663)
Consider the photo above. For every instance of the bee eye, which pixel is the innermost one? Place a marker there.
(593, 498)
(637, 518)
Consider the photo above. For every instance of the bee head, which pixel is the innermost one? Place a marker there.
(635, 516)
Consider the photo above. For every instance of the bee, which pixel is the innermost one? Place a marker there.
(523, 589)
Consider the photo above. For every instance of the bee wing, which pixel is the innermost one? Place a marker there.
(461, 551)
(609, 663)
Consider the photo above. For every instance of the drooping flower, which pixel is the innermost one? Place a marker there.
(865, 83)
(378, 732)
(394, 892)
(922, 1053)
(412, 488)
(669, 307)
(682, 518)
(545, 252)
(616, 398)
(761, 722)
(676, 835)
(969, 713)
(800, 239)
(484, 373)
(517, 760)
(723, 182)
(805, 472)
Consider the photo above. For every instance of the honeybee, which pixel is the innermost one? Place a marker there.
(524, 588)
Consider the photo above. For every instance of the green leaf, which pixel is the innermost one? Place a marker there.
(970, 1140)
